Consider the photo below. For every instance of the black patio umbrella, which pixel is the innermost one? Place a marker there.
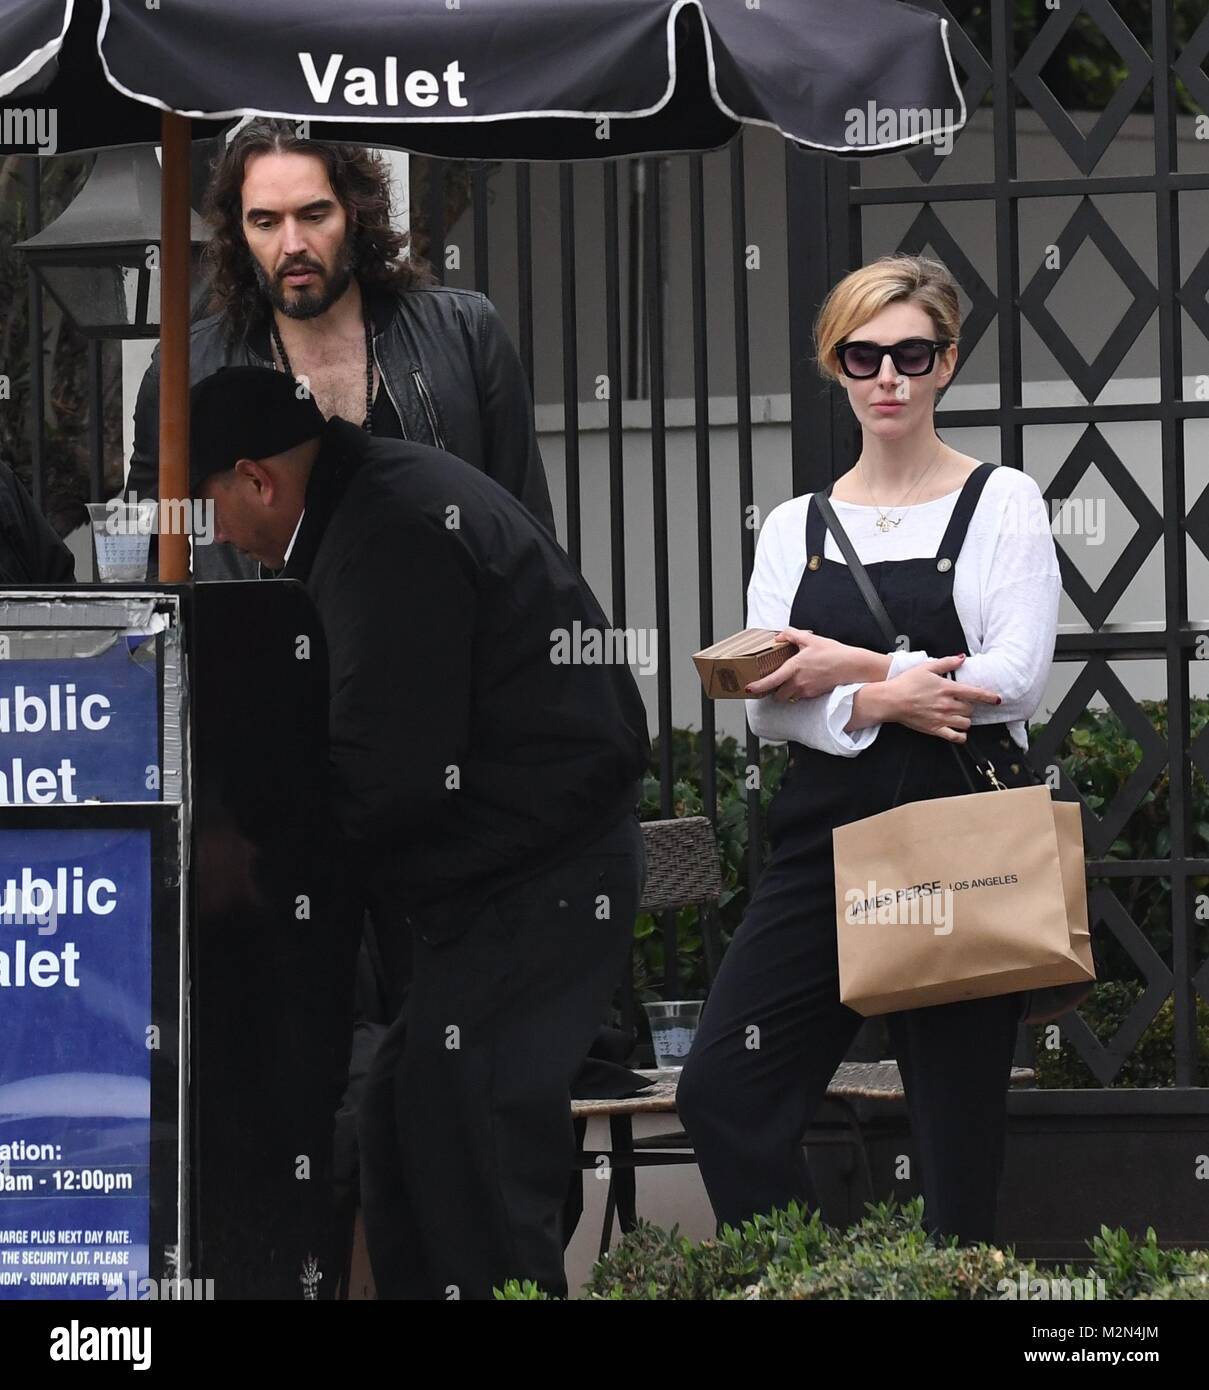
(498, 79)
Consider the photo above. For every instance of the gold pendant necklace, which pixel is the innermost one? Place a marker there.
(884, 521)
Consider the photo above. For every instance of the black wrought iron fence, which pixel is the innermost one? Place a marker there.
(1145, 58)
(1006, 66)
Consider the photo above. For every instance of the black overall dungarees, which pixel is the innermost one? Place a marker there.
(746, 1097)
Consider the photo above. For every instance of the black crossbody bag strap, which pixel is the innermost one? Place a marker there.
(882, 618)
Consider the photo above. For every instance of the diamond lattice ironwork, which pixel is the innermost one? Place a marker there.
(1097, 676)
(928, 230)
(1107, 1059)
(1188, 67)
(1085, 151)
(1085, 138)
(1193, 292)
(1092, 447)
(966, 56)
(1196, 523)
(1088, 225)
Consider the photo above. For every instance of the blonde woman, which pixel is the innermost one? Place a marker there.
(962, 556)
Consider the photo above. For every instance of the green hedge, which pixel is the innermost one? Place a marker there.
(1098, 755)
(1151, 1063)
(888, 1255)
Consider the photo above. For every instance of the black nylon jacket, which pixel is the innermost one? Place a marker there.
(30, 552)
(448, 366)
(439, 646)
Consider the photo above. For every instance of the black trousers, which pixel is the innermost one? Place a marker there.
(772, 1034)
(465, 1128)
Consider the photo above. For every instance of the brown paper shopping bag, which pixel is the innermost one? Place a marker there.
(1050, 1002)
(961, 897)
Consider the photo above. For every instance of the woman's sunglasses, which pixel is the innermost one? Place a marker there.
(911, 357)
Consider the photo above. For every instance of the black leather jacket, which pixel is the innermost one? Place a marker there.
(448, 366)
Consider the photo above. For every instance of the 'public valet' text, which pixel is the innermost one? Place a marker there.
(59, 710)
(66, 894)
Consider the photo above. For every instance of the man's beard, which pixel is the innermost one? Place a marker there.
(308, 303)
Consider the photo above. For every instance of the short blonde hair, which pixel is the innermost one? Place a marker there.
(863, 293)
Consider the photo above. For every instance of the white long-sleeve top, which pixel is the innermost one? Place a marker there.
(1006, 587)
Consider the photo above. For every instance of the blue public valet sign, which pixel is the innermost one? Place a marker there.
(78, 1034)
(81, 729)
(75, 1072)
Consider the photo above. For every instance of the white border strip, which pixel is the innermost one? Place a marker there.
(34, 62)
(405, 121)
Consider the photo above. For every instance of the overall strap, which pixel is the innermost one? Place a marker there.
(955, 533)
(816, 529)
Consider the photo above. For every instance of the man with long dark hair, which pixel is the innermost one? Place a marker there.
(307, 274)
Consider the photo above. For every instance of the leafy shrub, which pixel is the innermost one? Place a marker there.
(791, 1254)
(1152, 1061)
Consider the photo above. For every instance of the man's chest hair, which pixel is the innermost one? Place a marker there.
(336, 378)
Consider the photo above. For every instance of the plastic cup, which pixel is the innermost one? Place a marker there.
(121, 540)
(673, 1028)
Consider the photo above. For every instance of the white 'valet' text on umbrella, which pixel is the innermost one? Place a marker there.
(420, 87)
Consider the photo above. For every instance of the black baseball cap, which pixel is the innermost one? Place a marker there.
(246, 413)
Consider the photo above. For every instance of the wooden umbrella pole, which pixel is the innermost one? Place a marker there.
(174, 345)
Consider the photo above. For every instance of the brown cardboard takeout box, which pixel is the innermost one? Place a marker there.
(728, 666)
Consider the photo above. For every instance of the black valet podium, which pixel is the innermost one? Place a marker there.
(273, 947)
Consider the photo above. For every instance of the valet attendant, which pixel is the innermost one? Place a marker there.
(483, 797)
(963, 559)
